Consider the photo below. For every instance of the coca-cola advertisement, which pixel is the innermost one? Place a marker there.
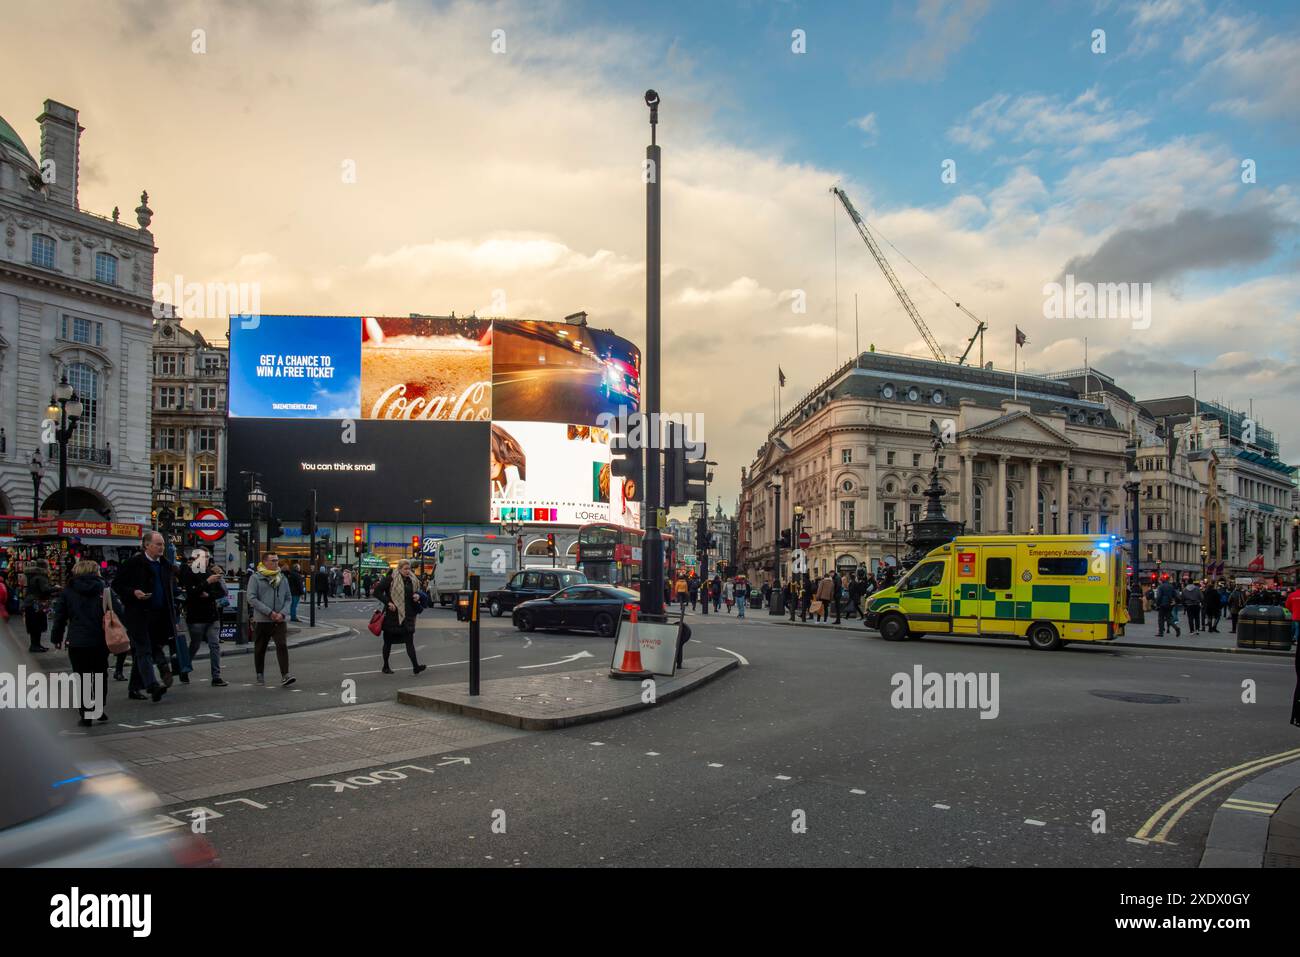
(426, 369)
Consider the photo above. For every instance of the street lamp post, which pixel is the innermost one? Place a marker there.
(1133, 486)
(1055, 510)
(166, 498)
(776, 602)
(1205, 554)
(65, 407)
(37, 469)
(256, 499)
(422, 503)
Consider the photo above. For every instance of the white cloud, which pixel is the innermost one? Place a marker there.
(947, 26)
(868, 125)
(1045, 120)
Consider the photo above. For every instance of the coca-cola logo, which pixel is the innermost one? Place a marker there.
(470, 406)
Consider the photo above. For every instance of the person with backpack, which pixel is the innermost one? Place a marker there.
(1192, 600)
(399, 593)
(79, 614)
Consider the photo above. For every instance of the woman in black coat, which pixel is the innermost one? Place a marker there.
(36, 597)
(79, 612)
(399, 591)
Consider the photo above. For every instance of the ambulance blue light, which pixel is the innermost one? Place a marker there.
(1103, 544)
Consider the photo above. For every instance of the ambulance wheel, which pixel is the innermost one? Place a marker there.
(893, 628)
(604, 625)
(494, 608)
(1043, 637)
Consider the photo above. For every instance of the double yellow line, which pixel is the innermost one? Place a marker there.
(1203, 789)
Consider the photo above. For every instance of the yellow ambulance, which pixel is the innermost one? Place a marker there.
(1049, 589)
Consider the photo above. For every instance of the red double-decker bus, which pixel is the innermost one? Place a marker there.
(611, 554)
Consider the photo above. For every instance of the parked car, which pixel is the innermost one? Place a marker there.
(586, 607)
(66, 805)
(531, 583)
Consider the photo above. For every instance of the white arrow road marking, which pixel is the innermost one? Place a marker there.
(562, 661)
(444, 664)
(741, 658)
(260, 807)
(941, 807)
(1031, 821)
(443, 764)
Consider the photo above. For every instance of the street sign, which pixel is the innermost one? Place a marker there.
(804, 539)
(210, 524)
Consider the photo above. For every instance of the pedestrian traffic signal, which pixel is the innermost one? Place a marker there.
(550, 543)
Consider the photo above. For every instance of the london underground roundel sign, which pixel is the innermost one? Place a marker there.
(210, 524)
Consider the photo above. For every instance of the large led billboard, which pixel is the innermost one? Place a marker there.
(376, 469)
(542, 387)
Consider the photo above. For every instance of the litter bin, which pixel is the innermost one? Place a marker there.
(1264, 626)
(755, 597)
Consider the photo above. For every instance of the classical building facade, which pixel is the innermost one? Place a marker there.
(76, 297)
(188, 399)
(1023, 454)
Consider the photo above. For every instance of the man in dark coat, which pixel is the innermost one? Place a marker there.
(323, 585)
(146, 585)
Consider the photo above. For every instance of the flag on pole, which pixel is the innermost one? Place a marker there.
(1021, 338)
(780, 376)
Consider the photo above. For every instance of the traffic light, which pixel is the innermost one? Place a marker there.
(308, 524)
(274, 528)
(624, 462)
(415, 543)
(785, 538)
(356, 536)
(684, 479)
(550, 543)
(702, 532)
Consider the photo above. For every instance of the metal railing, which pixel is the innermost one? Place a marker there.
(85, 454)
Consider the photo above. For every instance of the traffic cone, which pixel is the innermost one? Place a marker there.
(631, 666)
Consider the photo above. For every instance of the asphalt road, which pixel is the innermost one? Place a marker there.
(799, 757)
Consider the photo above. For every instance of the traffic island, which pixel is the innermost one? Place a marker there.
(562, 699)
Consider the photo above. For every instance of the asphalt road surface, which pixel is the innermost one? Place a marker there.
(798, 757)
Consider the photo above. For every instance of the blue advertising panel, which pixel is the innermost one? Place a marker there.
(295, 367)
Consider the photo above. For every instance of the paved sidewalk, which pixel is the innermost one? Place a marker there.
(1259, 825)
(561, 699)
(1136, 636)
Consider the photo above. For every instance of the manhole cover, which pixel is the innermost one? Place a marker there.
(1137, 697)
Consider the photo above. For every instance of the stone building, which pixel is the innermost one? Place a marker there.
(188, 399)
(76, 297)
(1024, 454)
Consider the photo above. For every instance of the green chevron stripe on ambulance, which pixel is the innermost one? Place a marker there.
(1047, 589)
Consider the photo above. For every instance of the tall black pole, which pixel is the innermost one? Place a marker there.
(63, 436)
(473, 635)
(422, 540)
(776, 601)
(311, 563)
(652, 586)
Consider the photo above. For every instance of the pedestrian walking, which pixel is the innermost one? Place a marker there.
(682, 593)
(296, 589)
(1165, 606)
(767, 593)
(729, 593)
(347, 583)
(79, 615)
(825, 595)
(146, 588)
(715, 592)
(1293, 606)
(36, 603)
(399, 593)
(740, 591)
(322, 584)
(1236, 602)
(808, 591)
(694, 586)
(268, 596)
(1212, 603)
(204, 587)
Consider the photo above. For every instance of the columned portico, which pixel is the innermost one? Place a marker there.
(1000, 502)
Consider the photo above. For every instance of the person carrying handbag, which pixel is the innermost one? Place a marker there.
(36, 601)
(399, 593)
(81, 612)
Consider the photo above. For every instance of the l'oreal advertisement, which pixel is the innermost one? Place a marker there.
(562, 471)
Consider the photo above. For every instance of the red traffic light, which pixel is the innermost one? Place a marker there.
(415, 542)
(356, 535)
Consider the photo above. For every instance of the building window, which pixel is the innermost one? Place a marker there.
(1102, 522)
(977, 509)
(167, 475)
(916, 460)
(940, 462)
(847, 516)
(1042, 511)
(168, 440)
(85, 381)
(166, 365)
(207, 477)
(211, 364)
(106, 268)
(846, 456)
(889, 458)
(169, 397)
(1011, 512)
(81, 330)
(208, 398)
(890, 518)
(43, 250)
(207, 440)
(914, 512)
(1086, 521)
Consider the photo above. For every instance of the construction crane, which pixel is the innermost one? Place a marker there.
(883, 263)
(903, 297)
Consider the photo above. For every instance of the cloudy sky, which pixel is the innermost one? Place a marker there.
(485, 177)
